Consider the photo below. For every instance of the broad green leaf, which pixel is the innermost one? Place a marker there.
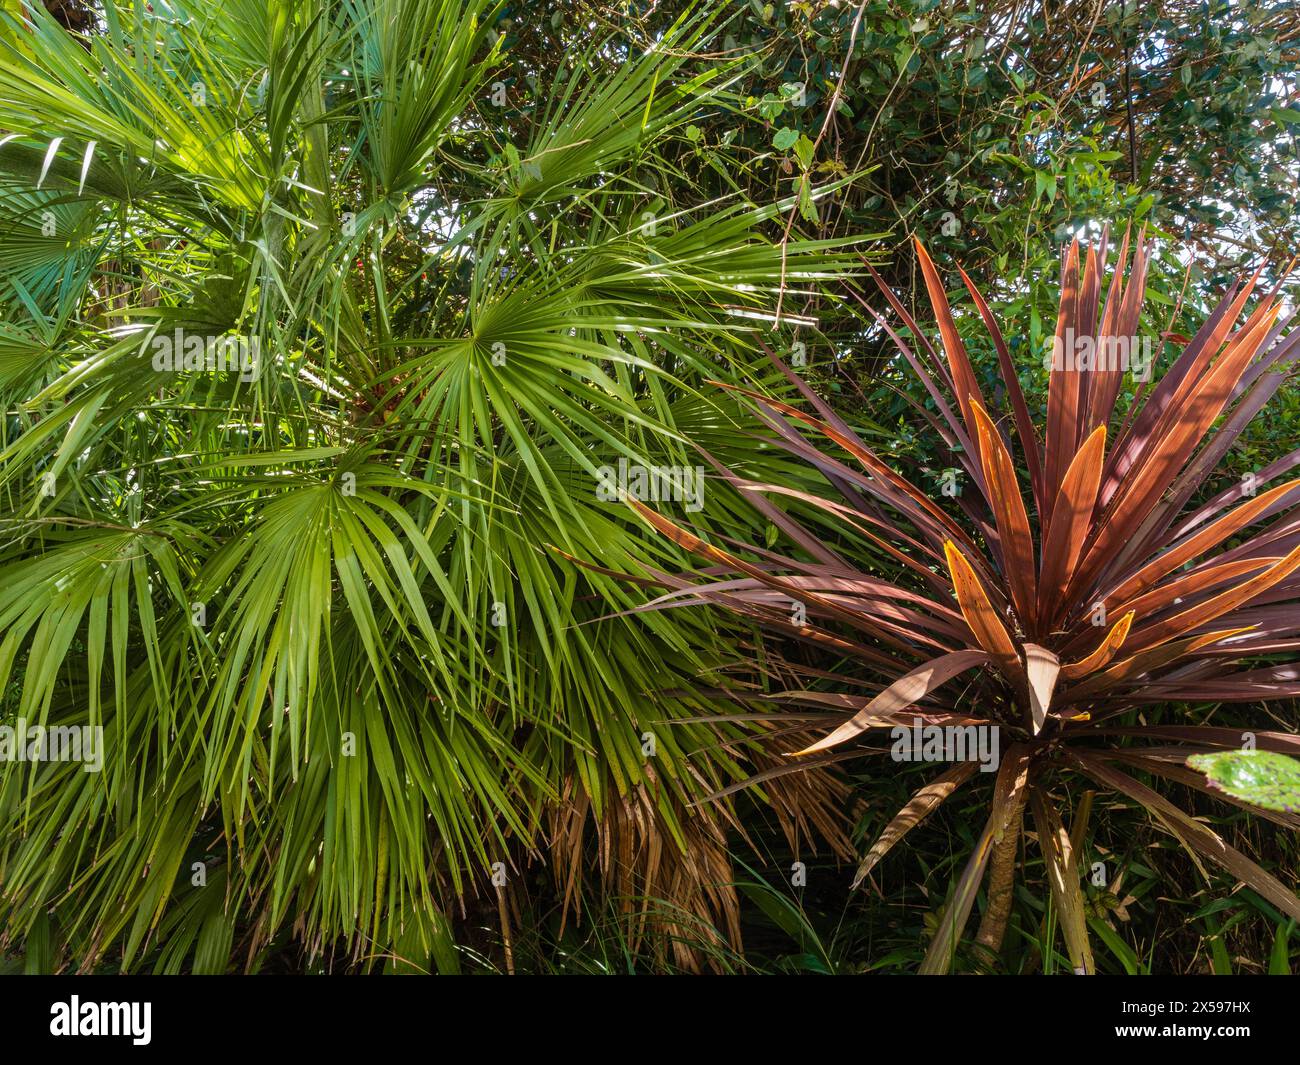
(1262, 778)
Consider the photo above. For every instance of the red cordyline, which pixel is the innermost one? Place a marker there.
(1115, 584)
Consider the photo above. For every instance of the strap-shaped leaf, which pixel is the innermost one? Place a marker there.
(901, 694)
(1152, 475)
(1193, 584)
(1218, 605)
(1009, 513)
(1062, 867)
(990, 632)
(1070, 519)
(1029, 443)
(1042, 667)
(1104, 652)
(963, 375)
(1062, 384)
(1212, 535)
(918, 808)
(1147, 661)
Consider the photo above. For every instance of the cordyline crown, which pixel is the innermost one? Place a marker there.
(1115, 592)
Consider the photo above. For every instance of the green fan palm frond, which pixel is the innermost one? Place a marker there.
(306, 406)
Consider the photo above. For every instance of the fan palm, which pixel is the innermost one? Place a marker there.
(323, 611)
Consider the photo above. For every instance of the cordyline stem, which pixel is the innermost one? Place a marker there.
(1002, 874)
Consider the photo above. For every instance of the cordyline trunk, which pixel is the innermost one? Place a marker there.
(1002, 877)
